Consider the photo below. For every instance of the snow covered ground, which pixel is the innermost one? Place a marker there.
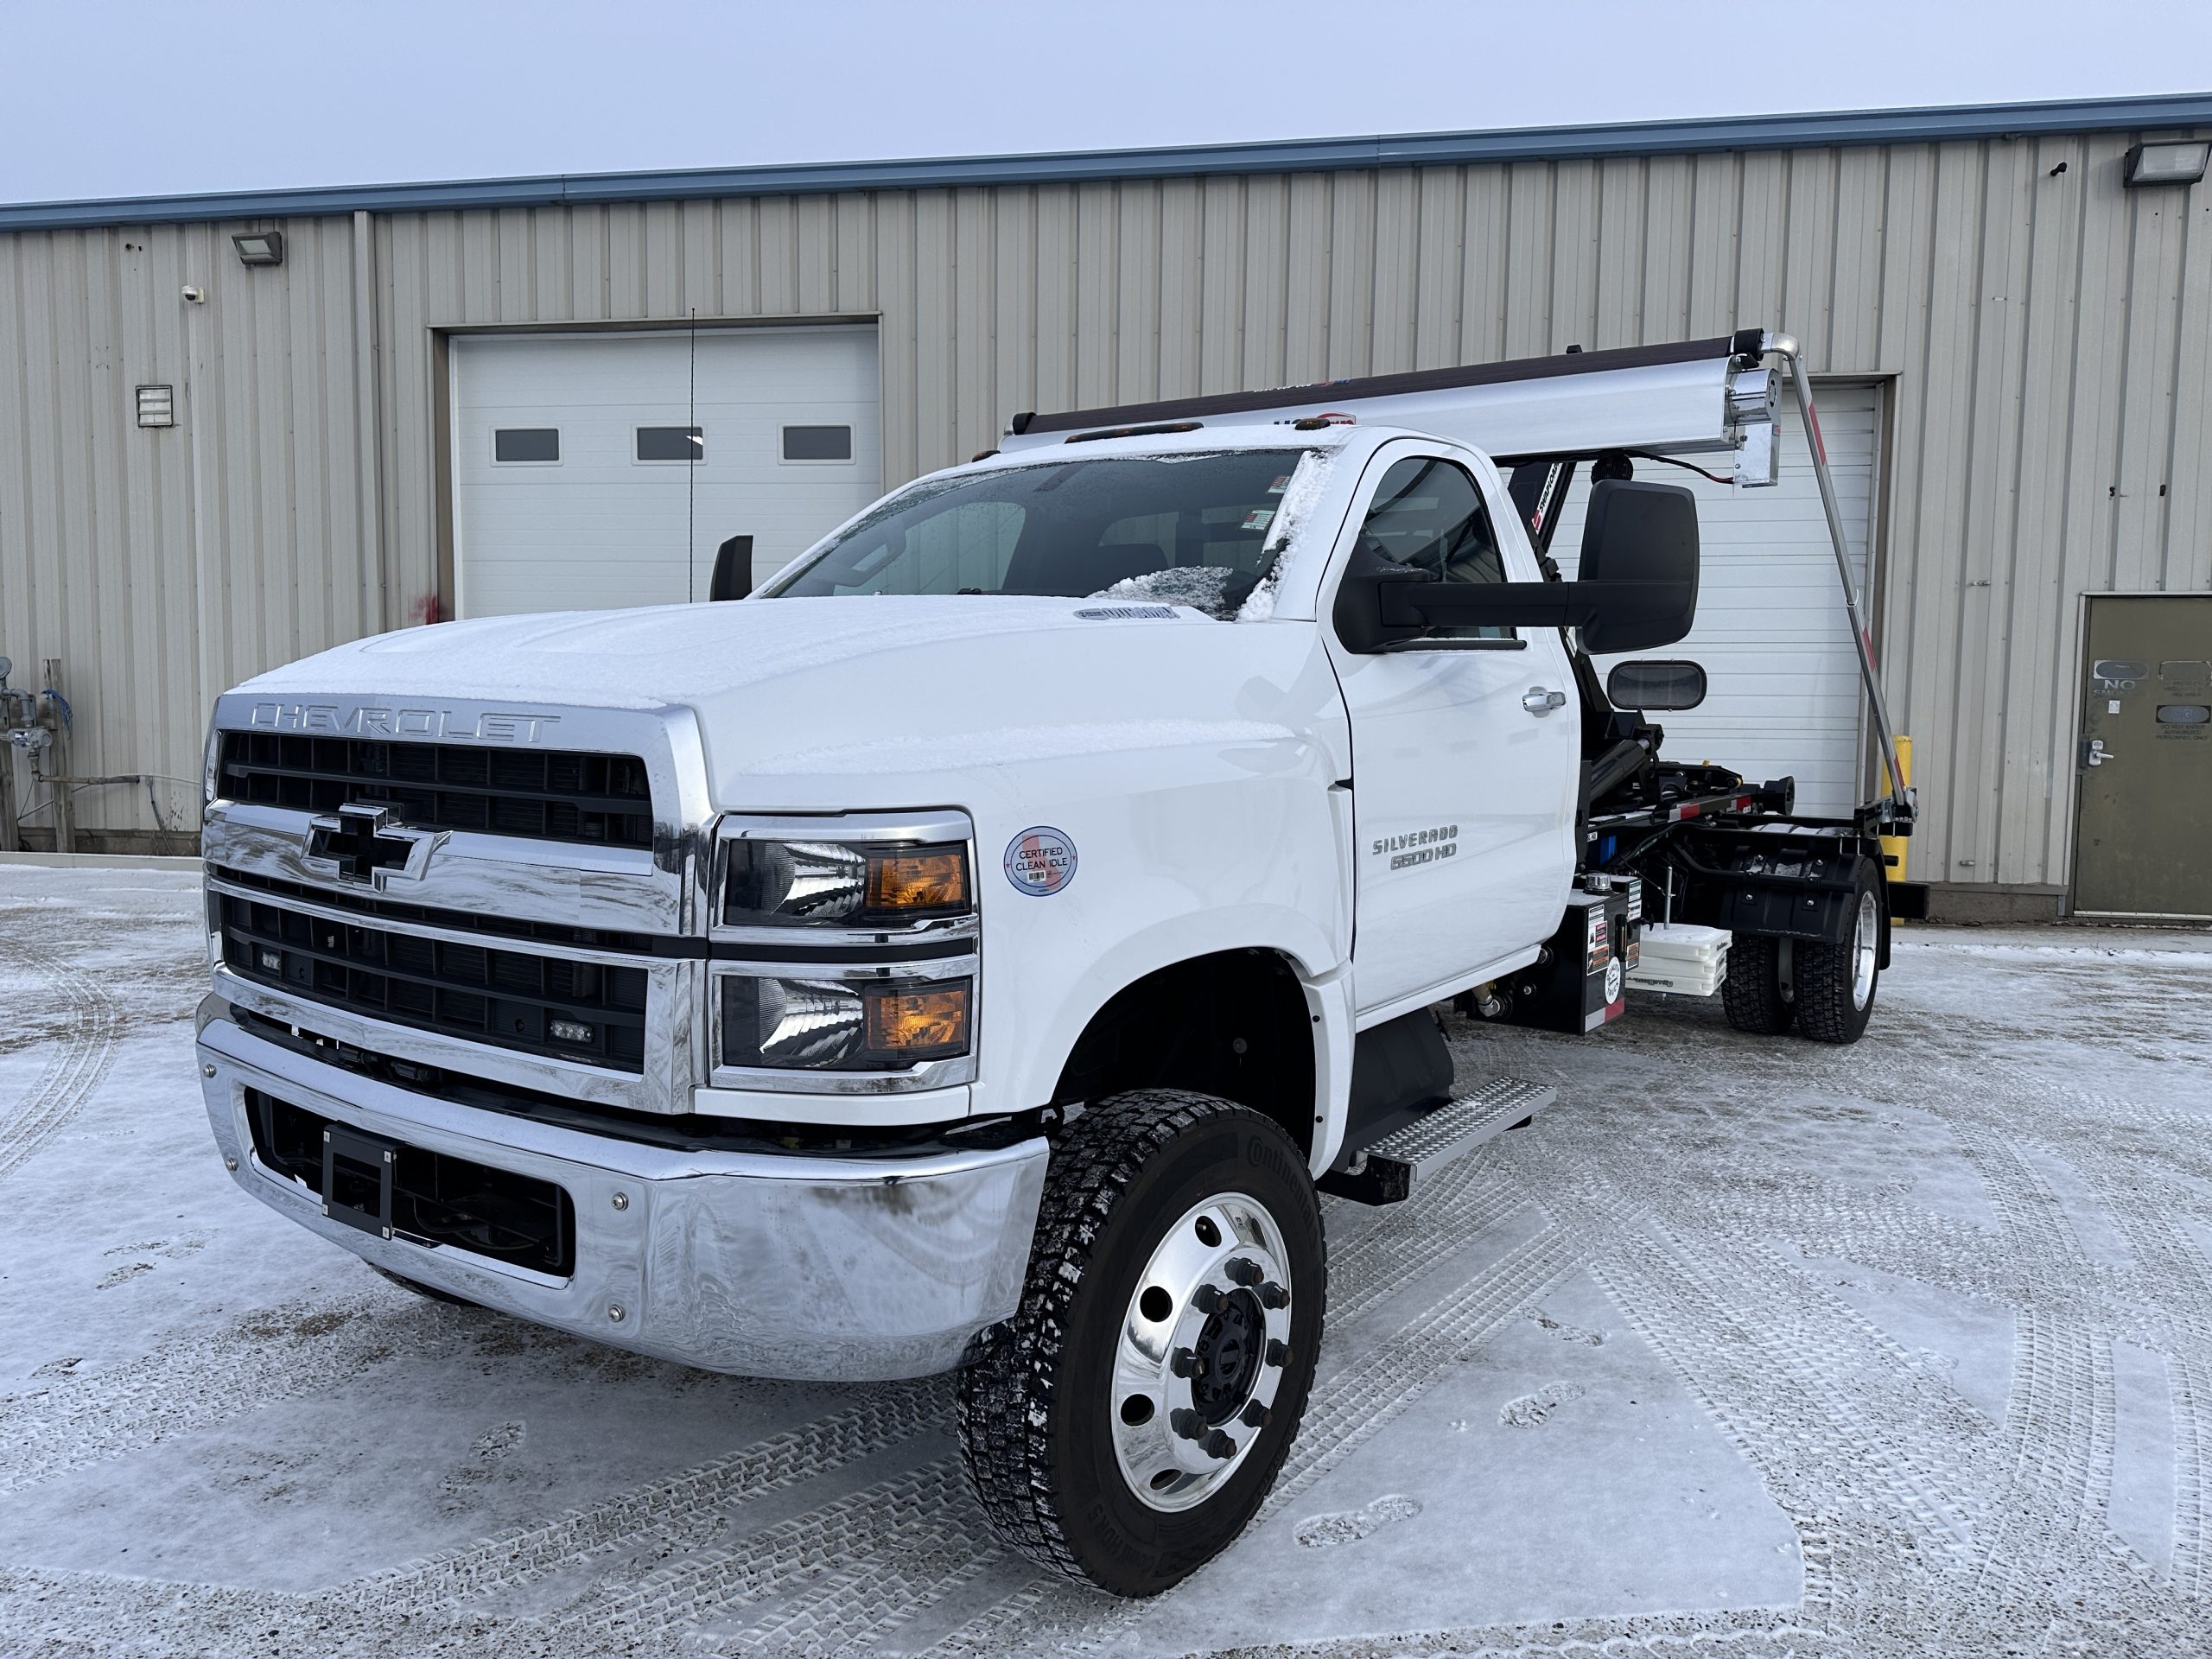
(1746, 1346)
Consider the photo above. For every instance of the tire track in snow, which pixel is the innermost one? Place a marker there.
(297, 1348)
(666, 1516)
(291, 1350)
(715, 1589)
(78, 1062)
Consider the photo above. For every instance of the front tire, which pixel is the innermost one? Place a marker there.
(1124, 1426)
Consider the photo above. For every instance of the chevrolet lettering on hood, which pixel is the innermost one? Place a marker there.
(421, 725)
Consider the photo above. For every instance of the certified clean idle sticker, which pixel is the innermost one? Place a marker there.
(1041, 861)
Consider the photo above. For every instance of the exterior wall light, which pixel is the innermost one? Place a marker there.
(2181, 163)
(261, 247)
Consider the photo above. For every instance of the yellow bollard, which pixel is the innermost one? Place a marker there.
(1897, 846)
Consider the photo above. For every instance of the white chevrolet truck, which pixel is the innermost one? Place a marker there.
(982, 946)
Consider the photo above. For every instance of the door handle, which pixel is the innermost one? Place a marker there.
(2094, 753)
(1541, 702)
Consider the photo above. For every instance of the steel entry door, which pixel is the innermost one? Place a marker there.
(2146, 758)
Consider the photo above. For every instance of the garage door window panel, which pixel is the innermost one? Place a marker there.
(683, 445)
(818, 445)
(526, 446)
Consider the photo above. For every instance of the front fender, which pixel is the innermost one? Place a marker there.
(1308, 951)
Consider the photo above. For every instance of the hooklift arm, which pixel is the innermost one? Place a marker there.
(1904, 807)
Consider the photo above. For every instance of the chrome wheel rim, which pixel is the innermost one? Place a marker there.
(1201, 1351)
(1866, 939)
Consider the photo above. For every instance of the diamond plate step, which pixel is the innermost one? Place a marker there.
(1394, 1166)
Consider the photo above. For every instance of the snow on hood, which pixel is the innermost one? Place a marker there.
(800, 700)
(669, 655)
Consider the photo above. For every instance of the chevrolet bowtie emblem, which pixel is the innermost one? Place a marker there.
(362, 844)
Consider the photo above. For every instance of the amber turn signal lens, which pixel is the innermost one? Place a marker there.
(912, 878)
(918, 1025)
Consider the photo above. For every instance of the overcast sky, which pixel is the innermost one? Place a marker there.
(116, 97)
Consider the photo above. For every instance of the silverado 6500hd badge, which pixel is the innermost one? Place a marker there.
(1041, 861)
(1421, 847)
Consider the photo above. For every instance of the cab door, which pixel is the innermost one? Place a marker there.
(1466, 744)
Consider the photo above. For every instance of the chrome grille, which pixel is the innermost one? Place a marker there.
(549, 1006)
(540, 794)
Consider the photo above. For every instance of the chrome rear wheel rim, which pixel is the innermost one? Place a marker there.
(1866, 943)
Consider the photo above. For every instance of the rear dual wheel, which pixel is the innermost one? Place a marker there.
(1124, 1426)
(1835, 982)
(1757, 994)
(1826, 990)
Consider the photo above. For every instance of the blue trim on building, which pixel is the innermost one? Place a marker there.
(2163, 112)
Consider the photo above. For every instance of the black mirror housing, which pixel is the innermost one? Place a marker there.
(733, 577)
(1640, 533)
(1651, 685)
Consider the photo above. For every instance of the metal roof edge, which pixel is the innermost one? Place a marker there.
(1671, 138)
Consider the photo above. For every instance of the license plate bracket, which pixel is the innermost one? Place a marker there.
(357, 1179)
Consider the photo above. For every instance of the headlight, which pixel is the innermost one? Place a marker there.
(851, 884)
(843, 1025)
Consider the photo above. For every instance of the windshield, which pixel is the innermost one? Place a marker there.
(1176, 529)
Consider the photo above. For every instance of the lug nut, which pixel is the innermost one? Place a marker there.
(1273, 1295)
(1182, 1361)
(1207, 1298)
(1255, 1415)
(1244, 1270)
(231, 1163)
(1187, 1423)
(1219, 1444)
(1278, 1352)
(206, 1071)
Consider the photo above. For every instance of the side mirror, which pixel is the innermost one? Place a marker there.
(1640, 533)
(733, 577)
(1649, 684)
(1636, 588)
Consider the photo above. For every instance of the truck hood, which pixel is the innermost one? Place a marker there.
(850, 702)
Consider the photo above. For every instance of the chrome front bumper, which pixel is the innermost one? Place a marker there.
(798, 1265)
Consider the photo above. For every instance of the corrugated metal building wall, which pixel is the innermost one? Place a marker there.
(2045, 334)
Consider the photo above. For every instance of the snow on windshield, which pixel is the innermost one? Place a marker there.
(1203, 586)
(1298, 503)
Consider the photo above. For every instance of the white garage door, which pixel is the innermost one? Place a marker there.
(602, 470)
(1771, 631)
